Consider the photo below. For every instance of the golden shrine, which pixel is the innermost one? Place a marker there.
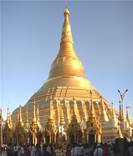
(67, 108)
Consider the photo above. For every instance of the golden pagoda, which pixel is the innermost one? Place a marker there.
(68, 104)
(7, 130)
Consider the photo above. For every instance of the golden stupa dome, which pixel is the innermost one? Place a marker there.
(66, 83)
(66, 69)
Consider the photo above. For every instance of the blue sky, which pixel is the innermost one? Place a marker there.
(30, 38)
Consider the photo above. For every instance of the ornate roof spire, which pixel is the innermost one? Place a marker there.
(113, 111)
(27, 118)
(103, 112)
(51, 109)
(34, 115)
(38, 117)
(62, 121)
(84, 110)
(20, 115)
(66, 62)
(92, 111)
(92, 116)
(37, 114)
(114, 118)
(66, 38)
(67, 105)
(127, 115)
(119, 133)
(76, 110)
(8, 120)
(128, 119)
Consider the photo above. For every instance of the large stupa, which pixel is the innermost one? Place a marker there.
(68, 104)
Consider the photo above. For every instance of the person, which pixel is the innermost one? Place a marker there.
(85, 151)
(5, 151)
(74, 150)
(98, 151)
(68, 151)
(116, 149)
(126, 147)
(49, 149)
(33, 150)
(15, 149)
(38, 150)
(22, 151)
(44, 151)
(62, 153)
(19, 151)
(91, 148)
(28, 150)
(9, 151)
(0, 150)
(130, 148)
(105, 150)
(79, 150)
(53, 150)
(111, 150)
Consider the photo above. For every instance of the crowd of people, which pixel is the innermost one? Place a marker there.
(117, 148)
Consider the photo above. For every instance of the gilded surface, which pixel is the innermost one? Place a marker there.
(68, 103)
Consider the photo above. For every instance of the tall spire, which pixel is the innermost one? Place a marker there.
(114, 118)
(20, 115)
(66, 62)
(51, 109)
(92, 111)
(104, 116)
(27, 118)
(76, 110)
(8, 120)
(119, 133)
(34, 114)
(66, 45)
(38, 117)
(127, 115)
(62, 121)
(84, 110)
(37, 114)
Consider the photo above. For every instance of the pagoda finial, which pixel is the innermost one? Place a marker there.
(66, 45)
(67, 6)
